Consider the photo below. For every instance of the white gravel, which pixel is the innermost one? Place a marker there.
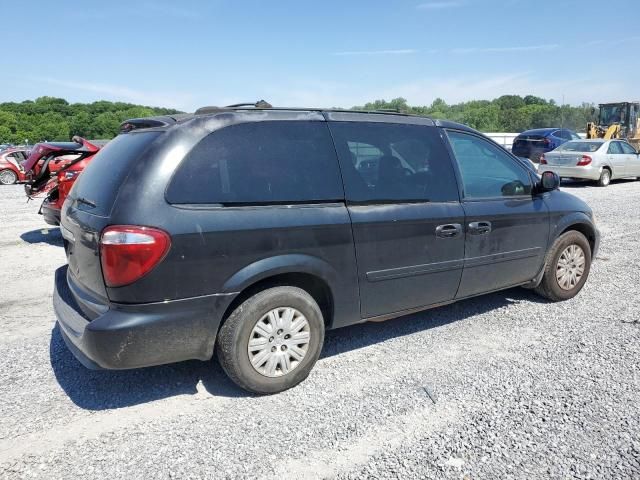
(522, 388)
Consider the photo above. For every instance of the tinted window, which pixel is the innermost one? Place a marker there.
(386, 162)
(487, 170)
(628, 149)
(614, 148)
(566, 134)
(101, 179)
(260, 162)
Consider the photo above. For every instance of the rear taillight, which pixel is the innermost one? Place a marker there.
(546, 142)
(68, 175)
(585, 160)
(128, 252)
(543, 161)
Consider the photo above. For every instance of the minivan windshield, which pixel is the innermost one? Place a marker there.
(100, 181)
(579, 147)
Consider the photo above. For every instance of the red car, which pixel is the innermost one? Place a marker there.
(52, 168)
(11, 169)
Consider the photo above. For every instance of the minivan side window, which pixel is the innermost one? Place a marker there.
(487, 171)
(390, 163)
(260, 163)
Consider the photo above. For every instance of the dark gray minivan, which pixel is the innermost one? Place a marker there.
(250, 231)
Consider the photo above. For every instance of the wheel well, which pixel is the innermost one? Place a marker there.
(313, 285)
(584, 229)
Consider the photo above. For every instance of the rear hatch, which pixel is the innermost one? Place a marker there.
(529, 142)
(87, 210)
(49, 158)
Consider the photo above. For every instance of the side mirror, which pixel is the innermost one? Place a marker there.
(549, 181)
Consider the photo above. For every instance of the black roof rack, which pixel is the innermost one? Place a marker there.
(213, 109)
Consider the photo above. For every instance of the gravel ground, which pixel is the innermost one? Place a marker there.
(501, 386)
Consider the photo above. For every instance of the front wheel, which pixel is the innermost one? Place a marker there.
(272, 340)
(8, 177)
(567, 268)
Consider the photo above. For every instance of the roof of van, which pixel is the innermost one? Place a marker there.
(328, 113)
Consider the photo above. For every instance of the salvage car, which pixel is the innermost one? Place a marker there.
(51, 170)
(249, 231)
(598, 160)
(11, 169)
(532, 144)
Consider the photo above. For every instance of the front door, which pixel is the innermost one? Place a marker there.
(631, 159)
(617, 159)
(405, 212)
(507, 228)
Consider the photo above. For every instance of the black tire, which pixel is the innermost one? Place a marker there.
(233, 339)
(8, 177)
(549, 286)
(605, 178)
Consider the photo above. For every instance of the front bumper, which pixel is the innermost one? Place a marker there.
(587, 172)
(116, 336)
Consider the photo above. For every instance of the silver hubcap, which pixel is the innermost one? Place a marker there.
(606, 177)
(570, 267)
(7, 177)
(279, 342)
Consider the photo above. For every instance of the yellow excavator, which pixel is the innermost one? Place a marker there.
(617, 120)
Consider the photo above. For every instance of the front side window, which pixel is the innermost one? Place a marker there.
(260, 163)
(627, 149)
(487, 171)
(393, 163)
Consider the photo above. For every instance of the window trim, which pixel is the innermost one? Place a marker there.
(375, 202)
(456, 166)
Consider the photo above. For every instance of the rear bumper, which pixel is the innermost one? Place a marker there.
(50, 213)
(130, 336)
(587, 172)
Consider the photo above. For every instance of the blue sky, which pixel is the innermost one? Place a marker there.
(187, 53)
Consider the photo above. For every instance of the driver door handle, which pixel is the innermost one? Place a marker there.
(479, 228)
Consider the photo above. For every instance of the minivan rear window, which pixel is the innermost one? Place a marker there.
(101, 179)
(260, 163)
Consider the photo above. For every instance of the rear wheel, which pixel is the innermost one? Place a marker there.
(8, 177)
(605, 178)
(272, 340)
(567, 268)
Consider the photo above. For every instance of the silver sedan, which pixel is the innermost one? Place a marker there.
(600, 160)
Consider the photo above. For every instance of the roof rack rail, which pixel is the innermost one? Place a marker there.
(258, 104)
(212, 109)
(388, 110)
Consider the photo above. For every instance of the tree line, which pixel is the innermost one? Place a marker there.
(51, 118)
(508, 113)
(55, 119)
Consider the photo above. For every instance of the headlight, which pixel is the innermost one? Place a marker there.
(70, 175)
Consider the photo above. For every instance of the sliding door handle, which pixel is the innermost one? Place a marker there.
(450, 230)
(479, 228)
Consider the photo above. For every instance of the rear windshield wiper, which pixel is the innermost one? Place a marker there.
(86, 202)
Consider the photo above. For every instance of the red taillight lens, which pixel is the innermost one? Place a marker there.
(585, 160)
(128, 252)
(546, 141)
(543, 161)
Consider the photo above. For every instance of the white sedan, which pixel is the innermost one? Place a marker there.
(600, 160)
